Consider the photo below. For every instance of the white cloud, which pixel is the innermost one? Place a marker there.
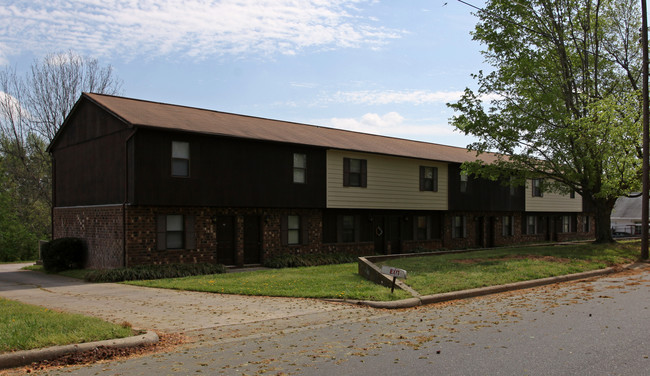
(390, 124)
(196, 28)
(378, 97)
(416, 97)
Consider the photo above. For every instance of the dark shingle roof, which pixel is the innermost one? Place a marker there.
(140, 113)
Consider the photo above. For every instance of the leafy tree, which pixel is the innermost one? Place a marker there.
(565, 101)
(32, 108)
(17, 241)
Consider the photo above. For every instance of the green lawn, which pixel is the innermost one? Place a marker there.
(330, 281)
(24, 327)
(453, 272)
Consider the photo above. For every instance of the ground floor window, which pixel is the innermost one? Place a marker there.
(349, 229)
(293, 229)
(585, 224)
(422, 227)
(175, 231)
(567, 223)
(458, 228)
(507, 229)
(531, 224)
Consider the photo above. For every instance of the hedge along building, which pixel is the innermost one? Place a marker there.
(147, 183)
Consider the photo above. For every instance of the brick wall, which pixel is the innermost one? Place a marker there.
(141, 230)
(101, 227)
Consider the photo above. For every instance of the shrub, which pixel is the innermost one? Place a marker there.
(63, 254)
(314, 259)
(153, 272)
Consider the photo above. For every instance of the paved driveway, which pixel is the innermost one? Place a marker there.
(164, 310)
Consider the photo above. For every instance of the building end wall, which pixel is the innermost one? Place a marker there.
(101, 228)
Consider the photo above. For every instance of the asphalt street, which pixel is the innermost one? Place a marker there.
(593, 327)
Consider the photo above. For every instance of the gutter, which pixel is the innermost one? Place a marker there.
(126, 194)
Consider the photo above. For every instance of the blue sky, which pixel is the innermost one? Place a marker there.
(383, 67)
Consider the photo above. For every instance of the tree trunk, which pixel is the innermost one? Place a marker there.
(603, 211)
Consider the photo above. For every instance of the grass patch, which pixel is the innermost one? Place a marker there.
(453, 272)
(25, 327)
(329, 281)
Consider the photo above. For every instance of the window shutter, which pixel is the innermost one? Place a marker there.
(284, 229)
(304, 234)
(190, 235)
(464, 227)
(339, 228)
(435, 179)
(364, 173)
(422, 178)
(574, 223)
(346, 172)
(357, 228)
(524, 224)
(161, 232)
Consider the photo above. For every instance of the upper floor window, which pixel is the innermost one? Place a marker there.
(180, 159)
(355, 172)
(428, 178)
(463, 182)
(537, 187)
(299, 167)
(572, 194)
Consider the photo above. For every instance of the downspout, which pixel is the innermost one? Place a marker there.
(53, 196)
(126, 194)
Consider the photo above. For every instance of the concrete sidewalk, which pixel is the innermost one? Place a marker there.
(151, 308)
(157, 309)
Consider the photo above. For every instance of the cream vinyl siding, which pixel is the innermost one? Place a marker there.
(393, 183)
(551, 201)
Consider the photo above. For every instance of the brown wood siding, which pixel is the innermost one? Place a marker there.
(225, 172)
(89, 156)
(87, 122)
(482, 194)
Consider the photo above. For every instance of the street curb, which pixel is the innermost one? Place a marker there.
(25, 357)
(481, 291)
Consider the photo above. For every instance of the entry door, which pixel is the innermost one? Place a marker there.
(490, 231)
(226, 240)
(380, 234)
(480, 232)
(252, 240)
(395, 234)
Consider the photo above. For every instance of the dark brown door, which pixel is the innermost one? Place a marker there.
(252, 240)
(226, 240)
(490, 231)
(380, 235)
(395, 234)
(480, 232)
